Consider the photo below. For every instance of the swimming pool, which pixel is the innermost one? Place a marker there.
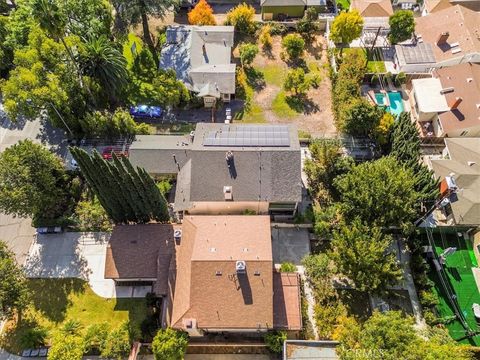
(395, 99)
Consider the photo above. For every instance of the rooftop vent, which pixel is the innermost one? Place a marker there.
(227, 191)
(456, 50)
(471, 163)
(177, 234)
(241, 267)
(212, 249)
(447, 90)
(469, 80)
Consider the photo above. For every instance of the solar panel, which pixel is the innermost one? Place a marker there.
(249, 135)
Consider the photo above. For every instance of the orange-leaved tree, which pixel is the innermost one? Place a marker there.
(201, 14)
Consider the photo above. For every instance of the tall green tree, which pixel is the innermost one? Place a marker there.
(392, 336)
(406, 149)
(296, 81)
(169, 344)
(402, 26)
(360, 118)
(380, 193)
(346, 27)
(126, 194)
(105, 63)
(132, 12)
(13, 285)
(32, 180)
(361, 253)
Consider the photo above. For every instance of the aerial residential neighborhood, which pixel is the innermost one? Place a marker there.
(228, 180)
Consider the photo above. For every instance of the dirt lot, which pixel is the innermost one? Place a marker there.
(315, 115)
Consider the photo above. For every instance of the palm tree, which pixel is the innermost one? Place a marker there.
(103, 62)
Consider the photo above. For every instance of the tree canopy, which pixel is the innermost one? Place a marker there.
(294, 45)
(242, 17)
(402, 26)
(380, 193)
(392, 336)
(248, 52)
(360, 118)
(296, 81)
(362, 253)
(32, 180)
(169, 344)
(13, 285)
(346, 27)
(127, 194)
(202, 14)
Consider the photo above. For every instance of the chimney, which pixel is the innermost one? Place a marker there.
(442, 39)
(457, 102)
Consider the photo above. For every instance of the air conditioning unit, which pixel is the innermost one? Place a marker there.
(241, 267)
(227, 191)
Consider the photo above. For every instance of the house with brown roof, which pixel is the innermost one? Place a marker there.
(454, 33)
(226, 280)
(213, 273)
(459, 170)
(373, 8)
(431, 6)
(448, 104)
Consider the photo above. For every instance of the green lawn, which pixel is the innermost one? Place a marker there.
(373, 66)
(459, 272)
(274, 74)
(281, 108)
(55, 301)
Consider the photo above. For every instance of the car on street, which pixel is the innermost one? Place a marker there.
(146, 112)
(109, 150)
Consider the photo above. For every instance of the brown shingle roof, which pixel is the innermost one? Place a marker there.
(465, 81)
(207, 287)
(373, 8)
(286, 301)
(462, 24)
(140, 252)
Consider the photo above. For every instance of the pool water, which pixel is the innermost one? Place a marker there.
(396, 103)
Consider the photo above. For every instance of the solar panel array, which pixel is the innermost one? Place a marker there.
(421, 53)
(249, 135)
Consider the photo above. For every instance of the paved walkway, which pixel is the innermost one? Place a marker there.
(309, 297)
(76, 255)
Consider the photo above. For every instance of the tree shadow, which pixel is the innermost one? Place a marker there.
(315, 49)
(54, 138)
(255, 78)
(51, 297)
(14, 331)
(267, 52)
(302, 104)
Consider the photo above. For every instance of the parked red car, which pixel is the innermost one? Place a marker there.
(107, 152)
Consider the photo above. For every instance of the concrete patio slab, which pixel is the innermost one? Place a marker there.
(290, 244)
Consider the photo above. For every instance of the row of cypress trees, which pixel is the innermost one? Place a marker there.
(128, 195)
(406, 149)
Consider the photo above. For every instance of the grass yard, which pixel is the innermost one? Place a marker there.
(458, 269)
(55, 301)
(373, 66)
(281, 108)
(274, 74)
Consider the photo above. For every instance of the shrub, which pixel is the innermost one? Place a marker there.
(33, 338)
(242, 17)
(296, 81)
(400, 79)
(164, 186)
(117, 344)
(275, 340)
(96, 336)
(307, 26)
(265, 37)
(288, 267)
(67, 347)
(71, 327)
(169, 344)
(294, 45)
(247, 53)
(278, 29)
(91, 216)
(201, 14)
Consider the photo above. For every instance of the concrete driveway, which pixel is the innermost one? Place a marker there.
(76, 255)
(18, 233)
(289, 244)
